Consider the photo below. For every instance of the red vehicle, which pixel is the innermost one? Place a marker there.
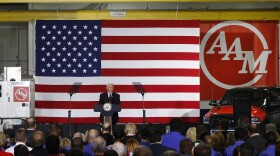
(263, 101)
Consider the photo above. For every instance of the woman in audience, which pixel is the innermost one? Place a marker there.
(21, 150)
(2, 143)
(65, 145)
(230, 139)
(218, 141)
(131, 145)
(191, 134)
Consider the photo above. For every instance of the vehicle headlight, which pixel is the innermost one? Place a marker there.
(205, 120)
(255, 120)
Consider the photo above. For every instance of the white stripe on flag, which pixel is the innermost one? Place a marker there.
(150, 64)
(161, 80)
(123, 113)
(124, 96)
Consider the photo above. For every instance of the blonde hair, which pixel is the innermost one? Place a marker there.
(2, 139)
(64, 142)
(218, 141)
(230, 139)
(191, 134)
(130, 128)
(131, 145)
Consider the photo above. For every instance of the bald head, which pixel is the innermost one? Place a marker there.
(31, 123)
(38, 139)
(106, 127)
(98, 145)
(92, 134)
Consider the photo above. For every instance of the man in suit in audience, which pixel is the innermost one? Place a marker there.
(20, 137)
(155, 139)
(271, 144)
(110, 97)
(38, 141)
(239, 135)
(31, 126)
(202, 149)
(257, 141)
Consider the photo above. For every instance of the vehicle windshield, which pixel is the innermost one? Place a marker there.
(257, 97)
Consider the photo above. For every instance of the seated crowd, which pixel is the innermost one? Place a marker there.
(246, 140)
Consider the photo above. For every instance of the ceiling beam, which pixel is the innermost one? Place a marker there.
(26, 16)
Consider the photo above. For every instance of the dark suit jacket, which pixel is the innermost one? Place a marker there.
(258, 143)
(116, 100)
(158, 149)
(39, 151)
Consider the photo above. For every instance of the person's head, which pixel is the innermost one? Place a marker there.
(218, 141)
(78, 135)
(230, 139)
(130, 128)
(244, 122)
(21, 150)
(270, 138)
(110, 87)
(118, 133)
(98, 145)
(38, 139)
(54, 126)
(20, 135)
(2, 139)
(176, 124)
(31, 123)
(270, 127)
(77, 143)
(106, 128)
(55, 132)
(240, 133)
(185, 147)
(10, 136)
(144, 134)
(131, 145)
(75, 152)
(120, 148)
(254, 128)
(155, 135)
(224, 124)
(52, 144)
(245, 149)
(208, 140)
(110, 153)
(7, 125)
(191, 134)
(201, 131)
(142, 151)
(202, 149)
(169, 153)
(64, 142)
(91, 135)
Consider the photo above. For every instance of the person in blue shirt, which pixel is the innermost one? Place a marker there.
(245, 149)
(173, 138)
(270, 141)
(144, 136)
(239, 135)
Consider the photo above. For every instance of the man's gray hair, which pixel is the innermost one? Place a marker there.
(99, 145)
(120, 148)
(270, 127)
(109, 84)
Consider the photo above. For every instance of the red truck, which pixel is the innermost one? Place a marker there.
(264, 100)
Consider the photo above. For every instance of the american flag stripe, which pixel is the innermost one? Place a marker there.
(162, 55)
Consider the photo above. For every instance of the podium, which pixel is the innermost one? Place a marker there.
(107, 110)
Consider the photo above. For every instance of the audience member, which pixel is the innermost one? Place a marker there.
(244, 149)
(10, 138)
(240, 135)
(202, 149)
(270, 127)
(98, 146)
(155, 140)
(106, 133)
(201, 131)
(2, 143)
(169, 153)
(173, 138)
(270, 142)
(230, 139)
(54, 130)
(20, 138)
(64, 145)
(78, 135)
(219, 143)
(144, 136)
(110, 153)
(118, 134)
(257, 141)
(209, 140)
(21, 150)
(91, 135)
(142, 151)
(120, 148)
(130, 130)
(52, 145)
(244, 122)
(224, 124)
(77, 143)
(131, 145)
(30, 129)
(74, 152)
(186, 147)
(191, 134)
(37, 142)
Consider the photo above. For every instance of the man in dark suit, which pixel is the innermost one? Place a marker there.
(30, 129)
(110, 97)
(257, 141)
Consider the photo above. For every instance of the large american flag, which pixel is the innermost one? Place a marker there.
(163, 55)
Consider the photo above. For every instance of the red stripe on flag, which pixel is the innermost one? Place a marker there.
(149, 56)
(150, 40)
(150, 23)
(150, 72)
(117, 88)
(122, 120)
(124, 104)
